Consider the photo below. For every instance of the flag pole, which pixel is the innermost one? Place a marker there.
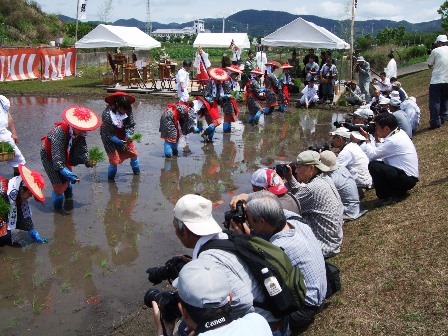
(352, 31)
(77, 16)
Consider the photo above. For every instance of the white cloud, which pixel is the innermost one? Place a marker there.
(300, 11)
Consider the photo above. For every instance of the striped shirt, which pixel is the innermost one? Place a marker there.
(303, 249)
(321, 209)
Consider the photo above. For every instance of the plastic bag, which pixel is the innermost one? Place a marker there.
(182, 143)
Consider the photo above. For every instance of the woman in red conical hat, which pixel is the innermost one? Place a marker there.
(283, 94)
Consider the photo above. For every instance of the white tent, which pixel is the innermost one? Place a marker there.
(303, 34)
(221, 40)
(107, 36)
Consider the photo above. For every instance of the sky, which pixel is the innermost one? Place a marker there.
(180, 11)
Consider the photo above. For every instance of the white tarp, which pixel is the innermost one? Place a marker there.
(303, 34)
(107, 36)
(221, 40)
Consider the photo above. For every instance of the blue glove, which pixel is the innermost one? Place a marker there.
(209, 99)
(264, 90)
(117, 141)
(68, 174)
(35, 235)
(127, 135)
(197, 130)
(225, 96)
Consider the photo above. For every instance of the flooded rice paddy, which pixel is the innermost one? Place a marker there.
(91, 274)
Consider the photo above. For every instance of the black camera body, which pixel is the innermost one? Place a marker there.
(369, 128)
(319, 148)
(167, 302)
(281, 169)
(238, 215)
(168, 272)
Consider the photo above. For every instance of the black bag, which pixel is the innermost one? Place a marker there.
(259, 254)
(333, 279)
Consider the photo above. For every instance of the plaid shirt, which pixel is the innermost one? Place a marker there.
(108, 130)
(303, 249)
(321, 209)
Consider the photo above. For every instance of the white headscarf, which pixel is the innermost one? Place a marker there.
(14, 185)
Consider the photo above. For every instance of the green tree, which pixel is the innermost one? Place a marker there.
(443, 10)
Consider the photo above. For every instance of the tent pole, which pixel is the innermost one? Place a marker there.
(76, 34)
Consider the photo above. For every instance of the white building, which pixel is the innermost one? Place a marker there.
(198, 27)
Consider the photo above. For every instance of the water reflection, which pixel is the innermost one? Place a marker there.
(101, 247)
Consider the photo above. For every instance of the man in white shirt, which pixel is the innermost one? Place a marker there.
(352, 157)
(183, 81)
(310, 94)
(393, 162)
(391, 69)
(383, 84)
(438, 87)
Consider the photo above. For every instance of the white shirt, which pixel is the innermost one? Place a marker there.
(356, 161)
(310, 93)
(183, 77)
(391, 69)
(397, 150)
(439, 60)
(249, 324)
(384, 85)
(411, 111)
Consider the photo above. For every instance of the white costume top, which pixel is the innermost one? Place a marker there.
(6, 135)
(391, 69)
(261, 60)
(201, 58)
(183, 77)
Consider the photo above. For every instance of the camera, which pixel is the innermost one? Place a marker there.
(281, 170)
(238, 215)
(319, 148)
(168, 272)
(369, 128)
(167, 302)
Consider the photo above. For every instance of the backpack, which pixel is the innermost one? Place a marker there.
(259, 254)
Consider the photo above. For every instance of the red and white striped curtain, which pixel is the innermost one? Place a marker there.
(23, 64)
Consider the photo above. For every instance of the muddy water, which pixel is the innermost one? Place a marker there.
(91, 274)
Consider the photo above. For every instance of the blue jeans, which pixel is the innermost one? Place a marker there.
(438, 104)
(170, 149)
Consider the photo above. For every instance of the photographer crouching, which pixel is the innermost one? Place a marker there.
(203, 299)
(353, 94)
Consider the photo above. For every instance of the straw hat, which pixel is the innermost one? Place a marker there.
(234, 68)
(272, 64)
(257, 71)
(110, 99)
(33, 181)
(81, 118)
(218, 74)
(286, 66)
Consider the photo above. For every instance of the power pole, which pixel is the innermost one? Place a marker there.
(223, 23)
(148, 18)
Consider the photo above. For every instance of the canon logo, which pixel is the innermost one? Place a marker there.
(215, 322)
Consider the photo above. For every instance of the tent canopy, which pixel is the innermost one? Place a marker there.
(303, 34)
(221, 40)
(107, 36)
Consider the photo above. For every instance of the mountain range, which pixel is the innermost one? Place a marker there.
(262, 22)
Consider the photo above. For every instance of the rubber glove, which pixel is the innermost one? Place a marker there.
(264, 90)
(35, 235)
(197, 130)
(225, 96)
(127, 135)
(209, 99)
(119, 142)
(68, 174)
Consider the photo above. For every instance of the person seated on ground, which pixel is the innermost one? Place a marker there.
(177, 120)
(376, 98)
(383, 84)
(321, 206)
(353, 94)
(205, 303)
(17, 227)
(393, 160)
(328, 75)
(309, 95)
(345, 185)
(403, 121)
(412, 112)
(351, 157)
(194, 225)
(311, 70)
(266, 218)
(268, 179)
(396, 86)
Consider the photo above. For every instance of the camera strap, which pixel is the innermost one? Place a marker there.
(216, 322)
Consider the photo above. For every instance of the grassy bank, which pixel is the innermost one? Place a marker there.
(393, 266)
